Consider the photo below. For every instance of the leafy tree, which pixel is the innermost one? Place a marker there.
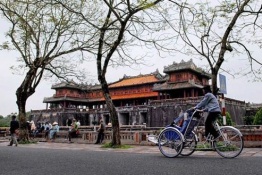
(249, 120)
(44, 35)
(5, 121)
(121, 25)
(218, 31)
(258, 118)
(229, 121)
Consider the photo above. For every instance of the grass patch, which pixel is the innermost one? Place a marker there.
(203, 145)
(220, 146)
(27, 142)
(109, 145)
(224, 148)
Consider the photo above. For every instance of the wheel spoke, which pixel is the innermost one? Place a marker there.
(230, 144)
(189, 145)
(170, 142)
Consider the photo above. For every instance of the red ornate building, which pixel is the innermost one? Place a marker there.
(182, 80)
(132, 96)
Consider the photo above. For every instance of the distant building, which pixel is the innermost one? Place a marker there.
(133, 96)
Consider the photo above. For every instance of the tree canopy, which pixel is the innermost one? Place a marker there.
(221, 31)
(258, 118)
(45, 36)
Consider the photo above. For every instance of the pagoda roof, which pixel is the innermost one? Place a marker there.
(155, 77)
(59, 99)
(114, 97)
(173, 86)
(70, 84)
(185, 65)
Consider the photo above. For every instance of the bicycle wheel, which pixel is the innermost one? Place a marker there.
(170, 142)
(189, 144)
(230, 143)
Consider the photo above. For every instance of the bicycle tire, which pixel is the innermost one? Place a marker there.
(190, 144)
(230, 143)
(170, 142)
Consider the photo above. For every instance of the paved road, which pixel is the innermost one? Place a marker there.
(77, 159)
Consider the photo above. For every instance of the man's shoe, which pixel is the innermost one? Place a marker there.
(9, 145)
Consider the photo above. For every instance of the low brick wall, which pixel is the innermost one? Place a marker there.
(252, 135)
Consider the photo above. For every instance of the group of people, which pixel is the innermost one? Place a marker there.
(74, 130)
(48, 128)
(32, 129)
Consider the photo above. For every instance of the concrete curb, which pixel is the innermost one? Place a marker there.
(253, 152)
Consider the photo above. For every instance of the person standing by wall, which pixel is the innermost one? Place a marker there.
(101, 134)
(33, 128)
(14, 125)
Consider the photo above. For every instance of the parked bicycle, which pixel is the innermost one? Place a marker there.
(175, 140)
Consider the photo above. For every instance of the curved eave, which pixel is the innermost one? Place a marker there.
(59, 99)
(176, 86)
(190, 69)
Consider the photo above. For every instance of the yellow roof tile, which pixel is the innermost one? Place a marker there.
(135, 81)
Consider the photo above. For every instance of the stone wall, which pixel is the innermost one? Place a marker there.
(163, 112)
(157, 113)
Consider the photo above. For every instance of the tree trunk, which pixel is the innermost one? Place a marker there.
(116, 139)
(21, 103)
(24, 91)
(214, 82)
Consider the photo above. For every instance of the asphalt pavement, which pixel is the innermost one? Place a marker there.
(251, 152)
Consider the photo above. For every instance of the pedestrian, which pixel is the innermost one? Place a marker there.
(78, 123)
(33, 128)
(14, 125)
(100, 131)
(53, 130)
(210, 104)
(47, 128)
(72, 131)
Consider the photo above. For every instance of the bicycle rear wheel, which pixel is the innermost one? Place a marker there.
(230, 143)
(189, 144)
(170, 142)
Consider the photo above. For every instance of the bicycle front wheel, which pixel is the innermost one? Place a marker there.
(230, 143)
(170, 142)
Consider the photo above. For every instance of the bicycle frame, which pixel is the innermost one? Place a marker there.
(209, 137)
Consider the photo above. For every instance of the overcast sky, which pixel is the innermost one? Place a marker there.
(239, 89)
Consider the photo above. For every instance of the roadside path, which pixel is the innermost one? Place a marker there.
(255, 152)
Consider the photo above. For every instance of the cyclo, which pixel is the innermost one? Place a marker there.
(182, 140)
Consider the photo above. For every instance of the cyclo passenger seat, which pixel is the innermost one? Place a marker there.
(190, 122)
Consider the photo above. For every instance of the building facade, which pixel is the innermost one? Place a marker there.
(138, 99)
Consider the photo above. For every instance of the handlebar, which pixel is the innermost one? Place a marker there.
(197, 110)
